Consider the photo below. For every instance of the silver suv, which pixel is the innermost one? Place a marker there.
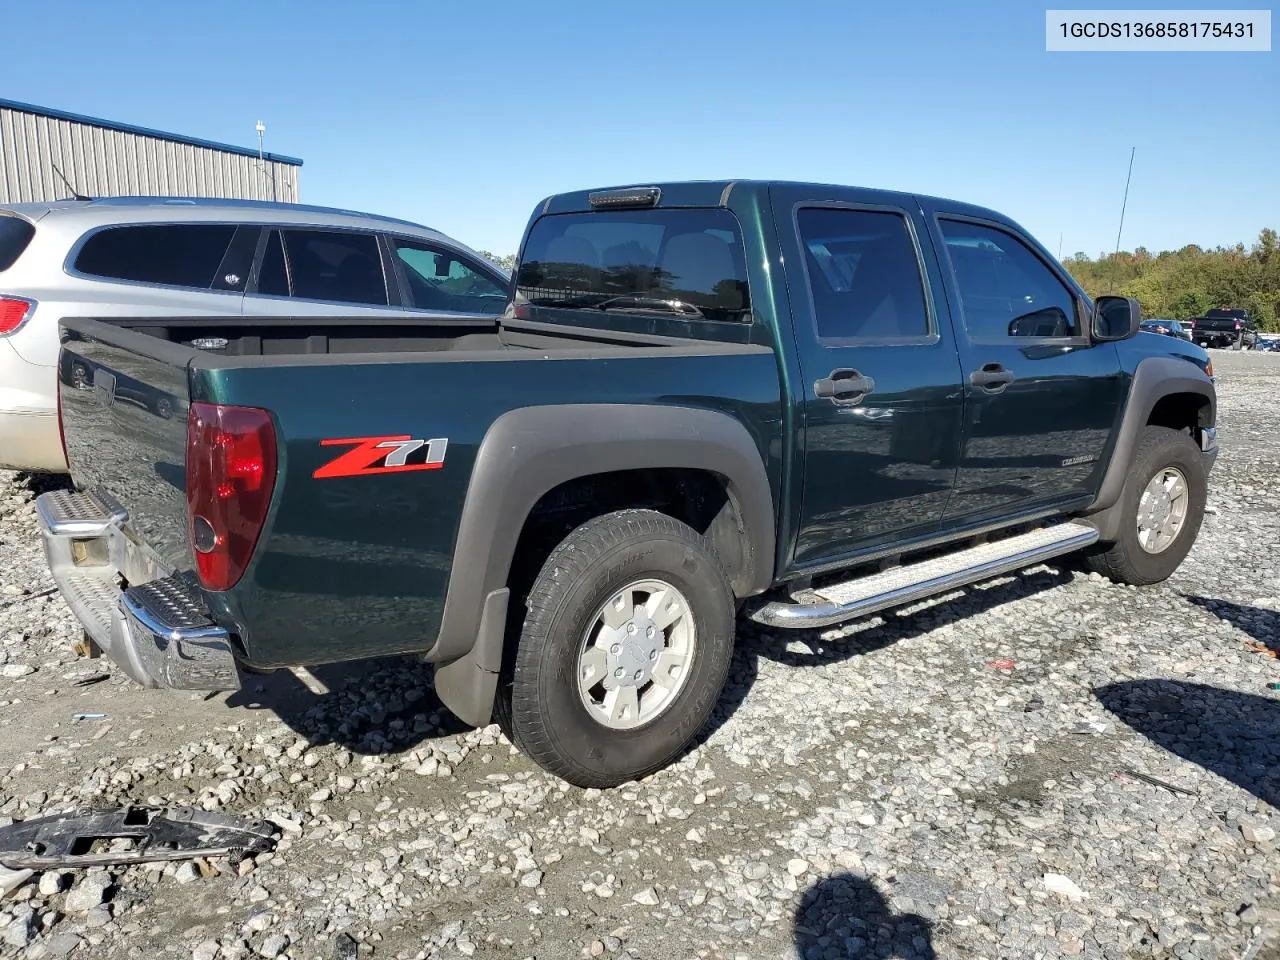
(144, 256)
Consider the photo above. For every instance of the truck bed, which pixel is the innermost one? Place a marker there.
(310, 336)
(368, 557)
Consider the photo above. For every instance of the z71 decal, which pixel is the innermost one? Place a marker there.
(372, 455)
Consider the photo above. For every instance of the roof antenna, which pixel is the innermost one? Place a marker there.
(75, 194)
(1124, 203)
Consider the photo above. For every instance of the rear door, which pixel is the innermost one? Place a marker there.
(1041, 399)
(882, 401)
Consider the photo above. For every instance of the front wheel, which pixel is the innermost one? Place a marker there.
(624, 650)
(1162, 506)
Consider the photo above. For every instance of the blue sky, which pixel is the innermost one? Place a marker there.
(463, 115)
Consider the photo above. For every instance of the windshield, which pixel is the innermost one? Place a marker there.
(665, 261)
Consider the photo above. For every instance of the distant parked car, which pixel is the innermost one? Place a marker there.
(156, 256)
(1168, 328)
(1225, 327)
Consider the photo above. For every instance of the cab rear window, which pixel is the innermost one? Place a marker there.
(15, 234)
(689, 262)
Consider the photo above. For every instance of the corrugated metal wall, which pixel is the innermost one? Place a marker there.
(102, 162)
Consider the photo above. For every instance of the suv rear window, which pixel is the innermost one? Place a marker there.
(684, 261)
(15, 234)
(180, 255)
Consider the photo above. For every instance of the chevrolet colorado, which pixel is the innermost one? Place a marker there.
(791, 402)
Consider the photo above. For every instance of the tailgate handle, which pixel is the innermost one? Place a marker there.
(844, 386)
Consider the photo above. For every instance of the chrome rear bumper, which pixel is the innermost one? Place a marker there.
(157, 631)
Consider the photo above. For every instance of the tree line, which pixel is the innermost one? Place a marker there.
(506, 261)
(1181, 284)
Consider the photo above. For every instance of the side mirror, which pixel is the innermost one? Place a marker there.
(1115, 318)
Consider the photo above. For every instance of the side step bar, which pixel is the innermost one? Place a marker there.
(837, 602)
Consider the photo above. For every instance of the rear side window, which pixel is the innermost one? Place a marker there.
(180, 255)
(273, 276)
(864, 275)
(660, 260)
(15, 234)
(332, 265)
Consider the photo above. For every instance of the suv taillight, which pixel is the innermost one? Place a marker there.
(231, 473)
(14, 312)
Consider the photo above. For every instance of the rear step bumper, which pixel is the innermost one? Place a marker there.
(898, 586)
(157, 632)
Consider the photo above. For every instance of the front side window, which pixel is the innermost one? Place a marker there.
(1005, 289)
(180, 255)
(438, 280)
(329, 265)
(687, 262)
(864, 275)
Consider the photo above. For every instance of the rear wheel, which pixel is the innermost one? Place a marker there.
(624, 650)
(1162, 507)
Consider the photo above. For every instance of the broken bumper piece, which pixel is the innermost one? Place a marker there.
(130, 835)
(158, 631)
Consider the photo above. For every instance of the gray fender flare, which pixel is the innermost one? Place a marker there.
(1154, 379)
(530, 451)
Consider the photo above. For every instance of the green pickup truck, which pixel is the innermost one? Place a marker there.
(705, 401)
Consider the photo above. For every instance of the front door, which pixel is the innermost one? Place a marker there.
(1041, 399)
(882, 399)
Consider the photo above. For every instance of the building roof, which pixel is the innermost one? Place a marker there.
(143, 131)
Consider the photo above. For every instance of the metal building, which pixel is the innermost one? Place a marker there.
(51, 155)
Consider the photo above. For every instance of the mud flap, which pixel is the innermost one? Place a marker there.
(467, 686)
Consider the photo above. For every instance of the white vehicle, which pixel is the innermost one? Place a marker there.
(155, 256)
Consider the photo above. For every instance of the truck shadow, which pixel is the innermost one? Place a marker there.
(816, 648)
(370, 707)
(38, 483)
(389, 705)
(845, 915)
(1235, 735)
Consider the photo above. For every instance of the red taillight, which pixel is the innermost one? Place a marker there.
(14, 312)
(231, 472)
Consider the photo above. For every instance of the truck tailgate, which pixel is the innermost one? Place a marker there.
(124, 399)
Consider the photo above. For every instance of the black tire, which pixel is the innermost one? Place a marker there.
(539, 705)
(1126, 561)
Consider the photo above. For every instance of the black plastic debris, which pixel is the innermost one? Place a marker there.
(344, 947)
(130, 835)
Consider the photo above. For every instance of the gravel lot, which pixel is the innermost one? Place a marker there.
(879, 790)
